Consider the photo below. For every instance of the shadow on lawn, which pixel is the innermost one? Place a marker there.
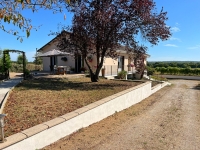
(64, 84)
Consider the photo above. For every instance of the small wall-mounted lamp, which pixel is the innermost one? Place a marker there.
(2, 139)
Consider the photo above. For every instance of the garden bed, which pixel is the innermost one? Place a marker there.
(35, 101)
(154, 83)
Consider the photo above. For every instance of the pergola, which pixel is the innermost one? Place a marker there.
(13, 51)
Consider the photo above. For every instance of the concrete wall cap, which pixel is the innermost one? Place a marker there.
(54, 122)
(13, 139)
(34, 130)
(123, 92)
(81, 110)
(91, 106)
(69, 115)
(100, 102)
(107, 99)
(112, 97)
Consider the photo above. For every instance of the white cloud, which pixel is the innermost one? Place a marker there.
(175, 39)
(194, 47)
(177, 24)
(175, 29)
(171, 45)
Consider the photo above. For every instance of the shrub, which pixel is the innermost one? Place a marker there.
(122, 74)
(150, 71)
(7, 63)
(159, 78)
(20, 59)
(83, 69)
(27, 72)
(90, 58)
(19, 67)
(72, 69)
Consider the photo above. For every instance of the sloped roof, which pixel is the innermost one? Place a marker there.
(53, 40)
(53, 52)
(121, 49)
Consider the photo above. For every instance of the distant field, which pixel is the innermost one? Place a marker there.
(19, 67)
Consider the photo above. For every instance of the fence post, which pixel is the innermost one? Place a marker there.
(103, 72)
(5, 68)
(24, 67)
(4, 61)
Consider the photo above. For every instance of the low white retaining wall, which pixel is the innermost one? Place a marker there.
(46, 133)
(159, 86)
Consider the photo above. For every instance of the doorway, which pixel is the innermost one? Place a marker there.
(53, 62)
(78, 64)
(120, 63)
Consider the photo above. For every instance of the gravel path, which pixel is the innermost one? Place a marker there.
(169, 119)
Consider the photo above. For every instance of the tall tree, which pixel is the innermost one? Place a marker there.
(101, 26)
(37, 60)
(20, 59)
(11, 11)
(6, 61)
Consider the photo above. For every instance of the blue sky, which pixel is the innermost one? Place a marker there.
(184, 44)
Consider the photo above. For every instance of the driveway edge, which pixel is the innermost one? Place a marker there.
(2, 105)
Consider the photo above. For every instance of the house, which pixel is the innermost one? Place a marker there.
(111, 66)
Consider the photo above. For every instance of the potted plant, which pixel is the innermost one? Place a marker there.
(130, 65)
(72, 70)
(122, 74)
(64, 58)
(103, 72)
(90, 58)
(83, 69)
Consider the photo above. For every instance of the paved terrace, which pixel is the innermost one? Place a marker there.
(5, 86)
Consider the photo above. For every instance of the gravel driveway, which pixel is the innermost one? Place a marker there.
(169, 119)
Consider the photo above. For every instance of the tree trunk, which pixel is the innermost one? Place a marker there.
(93, 77)
(7, 76)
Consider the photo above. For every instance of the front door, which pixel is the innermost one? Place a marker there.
(53, 62)
(120, 63)
(78, 64)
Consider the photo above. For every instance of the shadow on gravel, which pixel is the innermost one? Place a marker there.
(196, 87)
